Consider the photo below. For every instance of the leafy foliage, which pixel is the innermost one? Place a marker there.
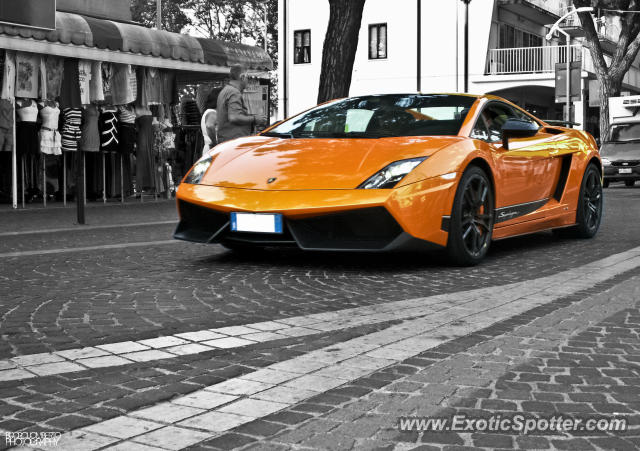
(173, 17)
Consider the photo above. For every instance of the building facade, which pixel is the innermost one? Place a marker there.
(412, 45)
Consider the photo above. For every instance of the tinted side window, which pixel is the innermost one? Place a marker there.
(491, 121)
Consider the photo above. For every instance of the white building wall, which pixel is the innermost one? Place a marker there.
(396, 73)
(440, 49)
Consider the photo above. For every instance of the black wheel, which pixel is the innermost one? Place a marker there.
(472, 218)
(605, 184)
(590, 206)
(629, 183)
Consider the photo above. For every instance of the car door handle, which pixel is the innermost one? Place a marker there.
(554, 152)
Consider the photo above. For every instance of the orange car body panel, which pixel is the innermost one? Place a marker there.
(320, 176)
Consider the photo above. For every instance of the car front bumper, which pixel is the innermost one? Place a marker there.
(408, 217)
(612, 173)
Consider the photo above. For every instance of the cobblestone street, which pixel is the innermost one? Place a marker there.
(120, 337)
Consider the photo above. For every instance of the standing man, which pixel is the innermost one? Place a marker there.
(234, 121)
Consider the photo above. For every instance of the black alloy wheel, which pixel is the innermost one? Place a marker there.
(590, 206)
(472, 218)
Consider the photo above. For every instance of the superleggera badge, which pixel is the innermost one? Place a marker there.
(272, 179)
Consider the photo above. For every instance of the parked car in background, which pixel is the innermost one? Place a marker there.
(621, 152)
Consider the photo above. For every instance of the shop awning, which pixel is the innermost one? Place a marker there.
(99, 39)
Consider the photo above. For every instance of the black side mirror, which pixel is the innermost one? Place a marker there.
(516, 128)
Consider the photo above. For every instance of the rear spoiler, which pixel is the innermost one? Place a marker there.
(562, 123)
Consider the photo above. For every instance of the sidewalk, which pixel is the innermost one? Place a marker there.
(96, 213)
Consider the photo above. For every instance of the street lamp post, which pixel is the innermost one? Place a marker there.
(556, 27)
(466, 45)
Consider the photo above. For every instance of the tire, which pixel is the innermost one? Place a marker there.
(605, 184)
(629, 183)
(590, 206)
(472, 218)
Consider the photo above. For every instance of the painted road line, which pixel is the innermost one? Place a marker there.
(444, 308)
(128, 352)
(80, 228)
(87, 248)
(223, 406)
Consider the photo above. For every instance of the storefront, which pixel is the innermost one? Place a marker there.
(127, 97)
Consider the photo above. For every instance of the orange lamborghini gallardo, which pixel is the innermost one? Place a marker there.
(383, 172)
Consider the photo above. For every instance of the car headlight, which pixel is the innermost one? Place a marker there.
(389, 176)
(198, 171)
(606, 162)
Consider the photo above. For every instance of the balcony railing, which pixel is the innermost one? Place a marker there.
(527, 60)
(554, 6)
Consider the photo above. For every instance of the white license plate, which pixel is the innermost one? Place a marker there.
(256, 222)
(624, 171)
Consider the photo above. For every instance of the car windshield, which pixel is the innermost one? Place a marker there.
(380, 116)
(624, 133)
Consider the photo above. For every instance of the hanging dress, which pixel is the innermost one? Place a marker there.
(71, 134)
(70, 91)
(109, 135)
(90, 135)
(27, 129)
(50, 139)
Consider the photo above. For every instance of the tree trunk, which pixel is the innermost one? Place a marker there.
(339, 50)
(610, 75)
(608, 88)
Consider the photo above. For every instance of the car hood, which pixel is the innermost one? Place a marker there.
(265, 163)
(621, 151)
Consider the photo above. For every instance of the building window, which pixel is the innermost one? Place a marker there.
(378, 41)
(302, 46)
(511, 37)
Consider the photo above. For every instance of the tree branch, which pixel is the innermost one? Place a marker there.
(592, 39)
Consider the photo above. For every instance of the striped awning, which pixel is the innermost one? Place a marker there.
(103, 34)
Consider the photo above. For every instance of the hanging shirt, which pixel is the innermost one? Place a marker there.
(121, 86)
(54, 70)
(106, 81)
(154, 86)
(27, 75)
(9, 76)
(84, 80)
(96, 89)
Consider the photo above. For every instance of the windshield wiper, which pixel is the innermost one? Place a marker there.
(337, 135)
(278, 135)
